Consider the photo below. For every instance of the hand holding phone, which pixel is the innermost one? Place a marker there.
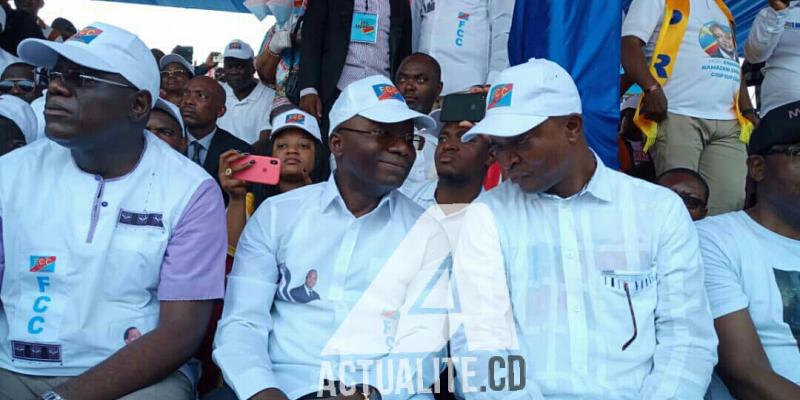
(265, 170)
(463, 107)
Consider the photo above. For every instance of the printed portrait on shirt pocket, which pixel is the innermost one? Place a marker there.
(717, 40)
(789, 286)
(299, 291)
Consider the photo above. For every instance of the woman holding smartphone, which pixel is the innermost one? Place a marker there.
(295, 140)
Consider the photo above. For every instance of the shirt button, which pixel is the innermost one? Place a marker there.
(97, 177)
(104, 204)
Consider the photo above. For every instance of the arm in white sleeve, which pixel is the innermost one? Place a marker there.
(416, 24)
(501, 13)
(241, 342)
(686, 342)
(484, 327)
(765, 34)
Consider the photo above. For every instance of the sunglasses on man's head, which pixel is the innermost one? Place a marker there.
(25, 85)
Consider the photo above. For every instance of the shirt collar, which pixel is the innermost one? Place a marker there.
(331, 195)
(206, 141)
(599, 185)
(253, 96)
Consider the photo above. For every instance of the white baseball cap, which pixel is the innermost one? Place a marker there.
(175, 58)
(172, 110)
(21, 113)
(238, 49)
(102, 47)
(295, 119)
(377, 99)
(524, 96)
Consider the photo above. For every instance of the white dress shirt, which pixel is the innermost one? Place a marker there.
(566, 264)
(370, 273)
(205, 144)
(469, 38)
(246, 118)
(775, 38)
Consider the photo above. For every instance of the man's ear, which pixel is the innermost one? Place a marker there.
(755, 167)
(574, 127)
(335, 144)
(140, 109)
(222, 111)
(490, 159)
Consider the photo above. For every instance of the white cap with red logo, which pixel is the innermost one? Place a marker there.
(524, 96)
(102, 47)
(377, 99)
(238, 49)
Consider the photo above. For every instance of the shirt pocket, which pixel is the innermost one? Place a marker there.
(133, 263)
(629, 299)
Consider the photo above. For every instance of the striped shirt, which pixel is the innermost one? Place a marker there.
(571, 272)
(367, 59)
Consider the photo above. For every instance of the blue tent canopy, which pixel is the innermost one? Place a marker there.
(744, 10)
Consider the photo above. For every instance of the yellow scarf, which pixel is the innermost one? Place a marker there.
(666, 52)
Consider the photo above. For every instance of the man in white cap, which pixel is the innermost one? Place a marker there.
(16, 119)
(137, 240)
(175, 72)
(271, 345)
(603, 271)
(166, 123)
(248, 101)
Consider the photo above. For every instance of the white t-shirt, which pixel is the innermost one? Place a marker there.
(750, 267)
(246, 118)
(38, 109)
(775, 38)
(706, 76)
(424, 168)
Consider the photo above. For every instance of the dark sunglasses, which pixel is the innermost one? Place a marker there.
(175, 73)
(76, 79)
(691, 202)
(416, 141)
(25, 85)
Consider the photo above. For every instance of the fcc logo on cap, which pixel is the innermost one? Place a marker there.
(87, 35)
(500, 96)
(235, 46)
(296, 119)
(387, 92)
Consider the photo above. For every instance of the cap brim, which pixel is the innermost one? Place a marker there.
(504, 125)
(398, 112)
(175, 58)
(301, 127)
(44, 53)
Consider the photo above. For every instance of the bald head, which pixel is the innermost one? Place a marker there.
(203, 103)
(419, 80)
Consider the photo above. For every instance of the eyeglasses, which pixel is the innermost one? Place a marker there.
(75, 79)
(416, 141)
(633, 317)
(691, 202)
(24, 85)
(792, 151)
(175, 73)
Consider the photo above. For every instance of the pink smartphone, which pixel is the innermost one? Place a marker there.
(266, 170)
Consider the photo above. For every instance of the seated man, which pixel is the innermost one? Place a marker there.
(19, 80)
(248, 101)
(202, 106)
(691, 187)
(167, 124)
(175, 72)
(137, 239)
(17, 123)
(752, 271)
(594, 278)
(362, 276)
(461, 168)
